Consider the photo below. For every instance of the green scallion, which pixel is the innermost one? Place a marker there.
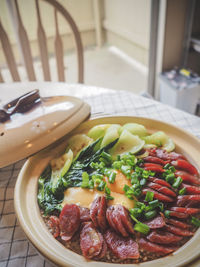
(170, 178)
(149, 196)
(142, 228)
(177, 182)
(195, 221)
(126, 169)
(101, 186)
(154, 203)
(112, 177)
(166, 166)
(182, 191)
(136, 212)
(117, 165)
(85, 180)
(143, 181)
(167, 213)
(150, 214)
(106, 156)
(107, 191)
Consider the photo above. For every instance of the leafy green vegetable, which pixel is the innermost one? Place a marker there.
(46, 199)
(51, 193)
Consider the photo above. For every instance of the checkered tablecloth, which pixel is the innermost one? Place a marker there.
(15, 249)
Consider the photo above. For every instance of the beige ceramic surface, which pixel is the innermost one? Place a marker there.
(28, 213)
(29, 132)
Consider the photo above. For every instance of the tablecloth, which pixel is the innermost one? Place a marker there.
(15, 249)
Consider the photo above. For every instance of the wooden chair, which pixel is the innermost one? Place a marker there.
(42, 42)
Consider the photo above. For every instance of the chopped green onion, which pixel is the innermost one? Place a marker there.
(138, 170)
(96, 177)
(149, 196)
(182, 191)
(170, 178)
(85, 180)
(97, 181)
(136, 212)
(112, 177)
(166, 166)
(106, 156)
(172, 169)
(107, 191)
(150, 214)
(167, 213)
(195, 221)
(145, 174)
(126, 169)
(140, 205)
(134, 179)
(140, 161)
(117, 165)
(177, 182)
(91, 184)
(101, 186)
(137, 192)
(107, 171)
(143, 181)
(142, 228)
(154, 204)
(161, 206)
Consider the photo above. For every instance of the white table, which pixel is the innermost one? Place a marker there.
(15, 249)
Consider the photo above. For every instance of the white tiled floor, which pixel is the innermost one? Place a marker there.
(102, 68)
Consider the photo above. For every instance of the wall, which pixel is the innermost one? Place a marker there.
(80, 10)
(127, 25)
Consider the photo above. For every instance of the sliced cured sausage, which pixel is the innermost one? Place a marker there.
(178, 224)
(94, 211)
(163, 237)
(151, 247)
(154, 160)
(101, 215)
(187, 177)
(69, 221)
(153, 167)
(185, 165)
(162, 154)
(179, 215)
(126, 220)
(159, 181)
(184, 200)
(190, 189)
(116, 218)
(162, 189)
(158, 195)
(91, 241)
(54, 224)
(109, 218)
(84, 214)
(156, 223)
(122, 247)
(178, 231)
(189, 211)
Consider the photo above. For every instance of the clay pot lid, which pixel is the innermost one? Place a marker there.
(31, 123)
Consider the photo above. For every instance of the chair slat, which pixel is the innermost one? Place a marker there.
(1, 78)
(25, 46)
(43, 46)
(77, 37)
(59, 52)
(8, 54)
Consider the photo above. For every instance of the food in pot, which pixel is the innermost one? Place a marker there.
(120, 194)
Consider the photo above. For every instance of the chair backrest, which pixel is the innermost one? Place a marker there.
(42, 44)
